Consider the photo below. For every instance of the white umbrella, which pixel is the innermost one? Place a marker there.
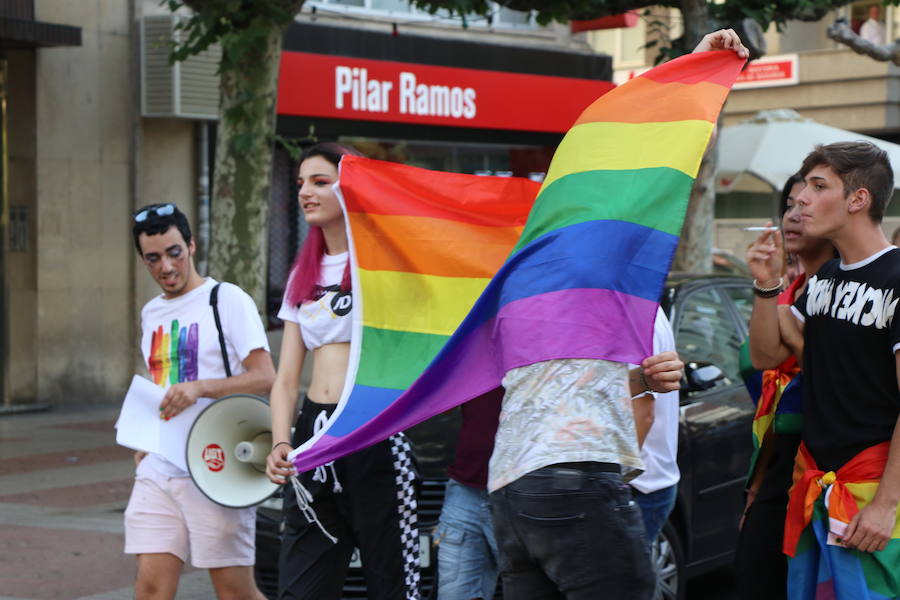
(772, 145)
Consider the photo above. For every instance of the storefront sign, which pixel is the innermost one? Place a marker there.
(318, 85)
(769, 71)
(626, 19)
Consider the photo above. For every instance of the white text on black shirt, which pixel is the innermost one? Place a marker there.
(851, 301)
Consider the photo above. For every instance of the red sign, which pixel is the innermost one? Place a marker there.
(625, 19)
(318, 85)
(769, 72)
(214, 457)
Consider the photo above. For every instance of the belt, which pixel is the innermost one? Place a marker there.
(589, 467)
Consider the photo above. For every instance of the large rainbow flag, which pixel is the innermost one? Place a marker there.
(440, 316)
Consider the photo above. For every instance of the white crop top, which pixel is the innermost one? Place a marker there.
(328, 319)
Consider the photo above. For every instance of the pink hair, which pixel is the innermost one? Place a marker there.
(303, 283)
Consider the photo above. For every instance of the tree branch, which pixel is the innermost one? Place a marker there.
(840, 32)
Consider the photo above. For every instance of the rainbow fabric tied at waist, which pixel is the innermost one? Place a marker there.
(821, 507)
(866, 467)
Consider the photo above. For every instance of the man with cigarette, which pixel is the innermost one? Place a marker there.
(841, 530)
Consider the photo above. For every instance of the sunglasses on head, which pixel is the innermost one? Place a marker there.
(158, 210)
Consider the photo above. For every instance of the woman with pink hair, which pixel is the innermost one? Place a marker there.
(365, 500)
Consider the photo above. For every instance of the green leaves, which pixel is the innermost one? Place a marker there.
(245, 24)
(764, 12)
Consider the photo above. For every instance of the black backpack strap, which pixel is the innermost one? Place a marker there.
(214, 302)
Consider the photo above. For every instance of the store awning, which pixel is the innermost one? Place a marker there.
(28, 33)
(625, 19)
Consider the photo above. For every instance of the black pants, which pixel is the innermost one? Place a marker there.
(571, 531)
(760, 565)
(375, 511)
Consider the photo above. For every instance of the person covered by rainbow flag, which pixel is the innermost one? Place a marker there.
(366, 499)
(566, 442)
(841, 533)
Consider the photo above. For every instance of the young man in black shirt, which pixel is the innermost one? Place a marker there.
(841, 530)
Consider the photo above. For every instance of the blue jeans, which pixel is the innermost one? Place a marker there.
(655, 509)
(571, 531)
(467, 552)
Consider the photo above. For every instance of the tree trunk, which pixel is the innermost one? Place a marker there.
(694, 252)
(243, 165)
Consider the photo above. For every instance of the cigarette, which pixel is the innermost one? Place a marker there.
(760, 229)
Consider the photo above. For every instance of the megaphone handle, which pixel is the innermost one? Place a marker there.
(304, 498)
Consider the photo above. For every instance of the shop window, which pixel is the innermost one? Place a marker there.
(507, 16)
(287, 229)
(868, 20)
(801, 36)
(391, 5)
(480, 159)
(500, 16)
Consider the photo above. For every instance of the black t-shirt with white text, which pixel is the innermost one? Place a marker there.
(851, 400)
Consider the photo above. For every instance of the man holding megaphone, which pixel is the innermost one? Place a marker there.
(201, 341)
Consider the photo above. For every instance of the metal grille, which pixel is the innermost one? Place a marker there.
(286, 229)
(17, 9)
(18, 229)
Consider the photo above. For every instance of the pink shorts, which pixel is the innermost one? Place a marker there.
(171, 515)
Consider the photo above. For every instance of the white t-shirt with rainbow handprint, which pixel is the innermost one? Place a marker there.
(180, 343)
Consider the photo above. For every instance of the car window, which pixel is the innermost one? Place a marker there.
(742, 296)
(706, 333)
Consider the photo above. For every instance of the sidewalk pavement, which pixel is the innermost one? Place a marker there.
(64, 484)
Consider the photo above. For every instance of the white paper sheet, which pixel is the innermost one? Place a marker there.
(139, 423)
(173, 434)
(140, 428)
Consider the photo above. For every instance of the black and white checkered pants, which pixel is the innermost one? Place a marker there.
(374, 511)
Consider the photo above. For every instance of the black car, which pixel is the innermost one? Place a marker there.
(709, 315)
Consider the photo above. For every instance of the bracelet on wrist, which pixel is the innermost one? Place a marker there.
(280, 443)
(769, 292)
(643, 380)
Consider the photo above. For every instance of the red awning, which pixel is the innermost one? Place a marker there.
(626, 19)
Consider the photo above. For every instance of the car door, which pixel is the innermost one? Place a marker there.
(715, 438)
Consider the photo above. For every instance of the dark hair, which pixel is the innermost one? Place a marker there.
(330, 151)
(859, 165)
(156, 224)
(303, 281)
(786, 191)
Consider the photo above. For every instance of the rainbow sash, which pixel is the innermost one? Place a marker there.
(778, 396)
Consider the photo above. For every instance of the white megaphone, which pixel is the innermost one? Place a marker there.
(227, 449)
